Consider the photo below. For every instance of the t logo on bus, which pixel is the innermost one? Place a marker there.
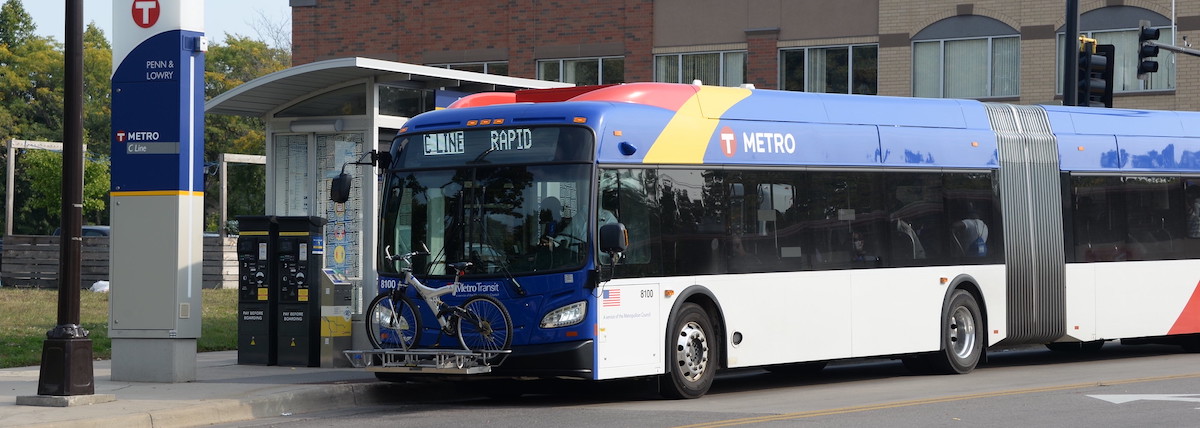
(728, 142)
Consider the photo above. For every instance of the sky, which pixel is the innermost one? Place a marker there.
(220, 16)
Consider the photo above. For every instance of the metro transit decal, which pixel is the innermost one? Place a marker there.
(756, 142)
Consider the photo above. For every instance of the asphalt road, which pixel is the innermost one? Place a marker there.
(1120, 386)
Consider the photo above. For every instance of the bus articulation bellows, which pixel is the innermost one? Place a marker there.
(785, 230)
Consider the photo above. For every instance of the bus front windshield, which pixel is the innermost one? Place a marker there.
(511, 219)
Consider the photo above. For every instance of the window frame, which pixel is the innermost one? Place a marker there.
(851, 69)
(1165, 58)
(721, 61)
(600, 60)
(487, 65)
(991, 65)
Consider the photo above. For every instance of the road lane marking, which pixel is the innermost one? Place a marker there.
(936, 400)
(1126, 398)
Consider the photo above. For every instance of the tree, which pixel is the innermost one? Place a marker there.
(16, 25)
(236, 62)
(31, 89)
(97, 90)
(42, 175)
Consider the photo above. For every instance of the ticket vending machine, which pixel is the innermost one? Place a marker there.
(299, 251)
(256, 305)
(336, 313)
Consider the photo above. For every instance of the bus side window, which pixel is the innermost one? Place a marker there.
(627, 196)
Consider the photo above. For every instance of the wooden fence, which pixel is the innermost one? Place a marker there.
(32, 261)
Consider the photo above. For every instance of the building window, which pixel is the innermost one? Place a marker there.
(1117, 26)
(499, 68)
(720, 68)
(583, 71)
(837, 69)
(969, 68)
(404, 102)
(1125, 74)
(967, 56)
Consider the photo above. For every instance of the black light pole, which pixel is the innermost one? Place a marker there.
(67, 351)
(1070, 58)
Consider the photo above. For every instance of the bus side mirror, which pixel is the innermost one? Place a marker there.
(339, 190)
(614, 238)
(383, 160)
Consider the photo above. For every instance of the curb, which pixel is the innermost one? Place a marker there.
(303, 399)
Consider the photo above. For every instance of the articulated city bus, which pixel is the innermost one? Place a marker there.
(784, 230)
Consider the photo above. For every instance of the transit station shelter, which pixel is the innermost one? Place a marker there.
(321, 117)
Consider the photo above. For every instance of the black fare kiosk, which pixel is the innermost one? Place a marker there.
(256, 296)
(279, 278)
(298, 262)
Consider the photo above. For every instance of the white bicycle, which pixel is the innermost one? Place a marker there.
(481, 323)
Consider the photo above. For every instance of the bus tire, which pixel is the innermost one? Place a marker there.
(691, 354)
(962, 335)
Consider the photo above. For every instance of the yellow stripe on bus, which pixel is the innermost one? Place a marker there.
(686, 136)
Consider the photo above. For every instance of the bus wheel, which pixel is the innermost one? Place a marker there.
(690, 354)
(962, 339)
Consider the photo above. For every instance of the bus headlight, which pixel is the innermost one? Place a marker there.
(567, 315)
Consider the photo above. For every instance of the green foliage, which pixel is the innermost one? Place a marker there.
(32, 95)
(97, 88)
(43, 176)
(15, 23)
(237, 61)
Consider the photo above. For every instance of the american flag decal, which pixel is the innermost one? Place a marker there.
(611, 298)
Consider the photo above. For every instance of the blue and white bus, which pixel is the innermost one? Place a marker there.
(785, 230)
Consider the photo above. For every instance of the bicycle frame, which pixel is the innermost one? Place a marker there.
(433, 296)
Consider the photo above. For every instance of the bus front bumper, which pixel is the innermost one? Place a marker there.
(565, 359)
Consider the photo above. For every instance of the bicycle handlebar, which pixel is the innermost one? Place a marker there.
(406, 257)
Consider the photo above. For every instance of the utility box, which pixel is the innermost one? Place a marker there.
(256, 296)
(299, 251)
(336, 312)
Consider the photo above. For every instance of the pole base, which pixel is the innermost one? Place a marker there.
(66, 367)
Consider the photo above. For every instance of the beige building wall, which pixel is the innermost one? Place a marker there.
(697, 25)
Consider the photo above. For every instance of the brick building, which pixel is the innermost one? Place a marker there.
(999, 50)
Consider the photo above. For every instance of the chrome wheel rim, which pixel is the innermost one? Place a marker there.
(691, 351)
(962, 332)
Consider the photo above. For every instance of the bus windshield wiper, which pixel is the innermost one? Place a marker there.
(479, 159)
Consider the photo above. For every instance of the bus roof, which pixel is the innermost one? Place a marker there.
(665, 123)
(1123, 140)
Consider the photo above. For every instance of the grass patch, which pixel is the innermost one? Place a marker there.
(27, 314)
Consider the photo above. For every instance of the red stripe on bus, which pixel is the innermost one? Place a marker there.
(1189, 320)
(665, 95)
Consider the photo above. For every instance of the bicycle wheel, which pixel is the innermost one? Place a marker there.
(393, 322)
(484, 325)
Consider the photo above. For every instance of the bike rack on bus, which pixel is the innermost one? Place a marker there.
(439, 361)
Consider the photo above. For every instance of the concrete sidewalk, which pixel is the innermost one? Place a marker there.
(223, 392)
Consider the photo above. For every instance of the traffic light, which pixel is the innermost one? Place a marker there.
(1095, 74)
(1147, 51)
